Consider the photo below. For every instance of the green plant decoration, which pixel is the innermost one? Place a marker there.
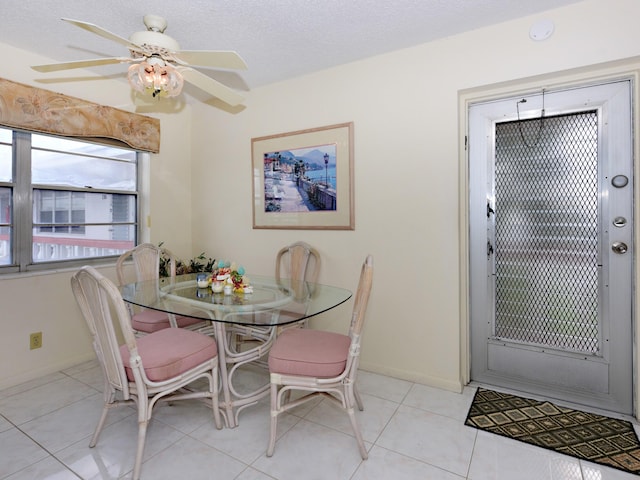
(198, 264)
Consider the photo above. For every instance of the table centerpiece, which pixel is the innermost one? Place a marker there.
(230, 275)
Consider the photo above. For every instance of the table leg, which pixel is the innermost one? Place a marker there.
(226, 404)
(232, 402)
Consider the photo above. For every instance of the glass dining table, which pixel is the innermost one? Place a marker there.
(245, 325)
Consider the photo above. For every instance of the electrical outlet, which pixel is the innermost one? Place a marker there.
(35, 340)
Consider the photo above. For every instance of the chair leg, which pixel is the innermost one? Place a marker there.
(96, 432)
(274, 419)
(215, 391)
(356, 430)
(352, 396)
(356, 395)
(109, 399)
(142, 433)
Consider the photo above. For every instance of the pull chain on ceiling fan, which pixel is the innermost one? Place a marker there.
(159, 68)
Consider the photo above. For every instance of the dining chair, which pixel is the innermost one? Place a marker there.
(298, 261)
(146, 262)
(320, 363)
(144, 370)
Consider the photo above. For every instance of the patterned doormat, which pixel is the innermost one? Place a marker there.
(583, 435)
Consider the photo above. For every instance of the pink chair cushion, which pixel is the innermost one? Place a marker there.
(149, 321)
(168, 353)
(186, 321)
(309, 353)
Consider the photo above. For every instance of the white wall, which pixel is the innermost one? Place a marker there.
(405, 109)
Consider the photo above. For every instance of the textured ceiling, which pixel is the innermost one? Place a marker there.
(279, 39)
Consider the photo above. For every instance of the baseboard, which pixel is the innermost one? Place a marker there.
(414, 376)
(44, 371)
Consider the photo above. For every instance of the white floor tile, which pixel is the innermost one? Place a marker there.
(114, 454)
(190, 459)
(591, 471)
(5, 424)
(47, 469)
(23, 387)
(381, 386)
(248, 441)
(303, 409)
(434, 439)
(411, 432)
(81, 367)
(372, 420)
(18, 452)
(67, 425)
(384, 464)
(498, 457)
(185, 416)
(442, 402)
(253, 474)
(309, 451)
(35, 402)
(92, 376)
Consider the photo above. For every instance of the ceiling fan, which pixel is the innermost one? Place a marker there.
(158, 66)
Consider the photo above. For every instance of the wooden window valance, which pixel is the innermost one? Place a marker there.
(38, 110)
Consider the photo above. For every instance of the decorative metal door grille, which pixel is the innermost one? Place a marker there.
(546, 232)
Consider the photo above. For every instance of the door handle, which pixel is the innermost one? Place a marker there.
(619, 247)
(619, 222)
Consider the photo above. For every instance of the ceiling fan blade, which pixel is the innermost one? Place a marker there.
(54, 67)
(211, 58)
(211, 86)
(103, 33)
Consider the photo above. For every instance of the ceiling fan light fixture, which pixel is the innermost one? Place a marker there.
(156, 78)
(158, 67)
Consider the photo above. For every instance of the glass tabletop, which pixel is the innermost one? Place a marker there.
(270, 303)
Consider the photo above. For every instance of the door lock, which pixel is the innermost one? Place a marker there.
(619, 247)
(620, 181)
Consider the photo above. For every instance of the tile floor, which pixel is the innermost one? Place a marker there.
(412, 432)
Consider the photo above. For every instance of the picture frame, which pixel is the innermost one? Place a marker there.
(304, 179)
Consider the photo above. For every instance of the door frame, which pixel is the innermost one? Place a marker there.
(561, 80)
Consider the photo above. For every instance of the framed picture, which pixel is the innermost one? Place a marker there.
(304, 179)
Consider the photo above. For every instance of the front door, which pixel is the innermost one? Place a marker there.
(551, 244)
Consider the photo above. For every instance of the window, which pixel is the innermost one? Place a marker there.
(55, 207)
(64, 200)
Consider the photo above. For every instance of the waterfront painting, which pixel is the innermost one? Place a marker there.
(300, 180)
(304, 179)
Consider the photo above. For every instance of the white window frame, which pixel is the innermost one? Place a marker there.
(22, 216)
